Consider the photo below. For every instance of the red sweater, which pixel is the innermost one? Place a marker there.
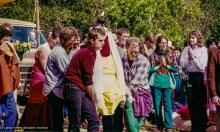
(80, 69)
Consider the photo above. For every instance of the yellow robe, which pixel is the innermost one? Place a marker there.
(113, 93)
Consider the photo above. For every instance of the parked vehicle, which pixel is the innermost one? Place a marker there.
(24, 31)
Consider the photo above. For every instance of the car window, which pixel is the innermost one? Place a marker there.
(20, 34)
(33, 40)
(27, 34)
(42, 39)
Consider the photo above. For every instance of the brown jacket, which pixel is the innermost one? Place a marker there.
(9, 69)
(214, 72)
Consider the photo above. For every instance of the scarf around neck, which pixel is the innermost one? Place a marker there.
(161, 52)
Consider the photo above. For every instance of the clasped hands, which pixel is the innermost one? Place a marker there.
(191, 55)
(162, 64)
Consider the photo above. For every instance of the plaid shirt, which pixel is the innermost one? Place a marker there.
(136, 76)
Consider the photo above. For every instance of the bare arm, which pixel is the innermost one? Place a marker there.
(42, 55)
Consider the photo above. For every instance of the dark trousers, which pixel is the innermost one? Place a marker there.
(57, 112)
(80, 107)
(113, 123)
(180, 95)
(197, 99)
(218, 119)
(36, 115)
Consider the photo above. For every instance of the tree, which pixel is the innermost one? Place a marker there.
(212, 17)
(174, 19)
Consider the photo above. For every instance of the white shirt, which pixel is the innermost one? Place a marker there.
(198, 63)
(47, 47)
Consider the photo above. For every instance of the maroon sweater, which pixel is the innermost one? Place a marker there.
(214, 72)
(80, 69)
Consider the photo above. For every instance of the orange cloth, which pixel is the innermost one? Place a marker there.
(2, 2)
(9, 69)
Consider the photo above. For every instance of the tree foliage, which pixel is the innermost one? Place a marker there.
(211, 9)
(174, 19)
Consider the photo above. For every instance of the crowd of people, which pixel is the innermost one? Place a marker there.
(112, 79)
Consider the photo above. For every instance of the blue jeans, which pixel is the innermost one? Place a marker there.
(80, 107)
(8, 106)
